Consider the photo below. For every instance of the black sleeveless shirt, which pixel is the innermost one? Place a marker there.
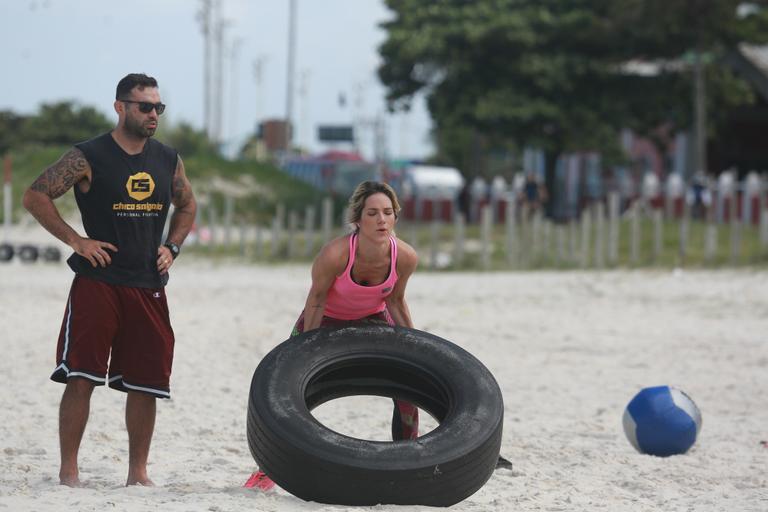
(126, 205)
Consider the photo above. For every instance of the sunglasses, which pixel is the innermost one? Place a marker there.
(146, 107)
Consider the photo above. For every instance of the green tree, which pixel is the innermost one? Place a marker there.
(557, 74)
(187, 140)
(10, 130)
(64, 123)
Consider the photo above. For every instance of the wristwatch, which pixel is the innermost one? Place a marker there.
(175, 250)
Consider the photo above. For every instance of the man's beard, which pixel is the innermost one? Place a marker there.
(139, 130)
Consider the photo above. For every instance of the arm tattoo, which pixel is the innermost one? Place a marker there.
(181, 188)
(62, 175)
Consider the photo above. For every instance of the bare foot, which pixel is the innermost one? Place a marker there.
(70, 481)
(144, 482)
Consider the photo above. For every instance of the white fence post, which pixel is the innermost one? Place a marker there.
(658, 234)
(764, 228)
(684, 228)
(634, 246)
(276, 235)
(599, 212)
(735, 226)
(258, 244)
(434, 241)
(560, 244)
(327, 219)
(242, 232)
(586, 228)
(511, 228)
(458, 241)
(309, 231)
(710, 240)
(293, 228)
(212, 220)
(535, 248)
(229, 210)
(573, 239)
(613, 228)
(485, 235)
(413, 239)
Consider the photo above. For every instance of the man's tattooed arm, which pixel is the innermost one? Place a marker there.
(182, 189)
(184, 203)
(63, 175)
(52, 183)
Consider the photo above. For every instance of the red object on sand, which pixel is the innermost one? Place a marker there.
(259, 480)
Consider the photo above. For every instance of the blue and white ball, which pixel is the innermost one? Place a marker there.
(662, 421)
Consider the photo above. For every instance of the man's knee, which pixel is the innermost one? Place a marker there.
(80, 387)
(140, 396)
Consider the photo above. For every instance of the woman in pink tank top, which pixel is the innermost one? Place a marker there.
(362, 276)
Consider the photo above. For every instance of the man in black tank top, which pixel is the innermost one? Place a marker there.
(116, 326)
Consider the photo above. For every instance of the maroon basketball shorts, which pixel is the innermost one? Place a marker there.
(120, 332)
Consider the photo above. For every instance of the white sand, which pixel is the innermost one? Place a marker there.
(569, 350)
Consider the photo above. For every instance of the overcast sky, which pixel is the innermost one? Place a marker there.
(54, 50)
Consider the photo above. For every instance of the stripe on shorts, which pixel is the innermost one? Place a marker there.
(66, 332)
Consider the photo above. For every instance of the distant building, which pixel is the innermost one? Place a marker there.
(273, 133)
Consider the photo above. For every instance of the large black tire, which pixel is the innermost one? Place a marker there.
(6, 252)
(315, 463)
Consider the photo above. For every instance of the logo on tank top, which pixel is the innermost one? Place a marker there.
(140, 186)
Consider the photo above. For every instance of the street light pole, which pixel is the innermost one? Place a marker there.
(204, 16)
(258, 76)
(290, 74)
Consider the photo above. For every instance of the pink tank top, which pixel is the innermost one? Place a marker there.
(348, 300)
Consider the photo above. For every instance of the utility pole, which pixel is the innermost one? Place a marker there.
(219, 29)
(290, 73)
(204, 17)
(301, 129)
(380, 138)
(233, 100)
(358, 112)
(258, 76)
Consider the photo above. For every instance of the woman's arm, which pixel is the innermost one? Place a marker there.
(407, 259)
(330, 262)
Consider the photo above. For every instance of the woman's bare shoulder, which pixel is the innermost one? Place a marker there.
(406, 255)
(334, 254)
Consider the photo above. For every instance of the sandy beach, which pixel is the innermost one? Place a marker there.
(569, 350)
